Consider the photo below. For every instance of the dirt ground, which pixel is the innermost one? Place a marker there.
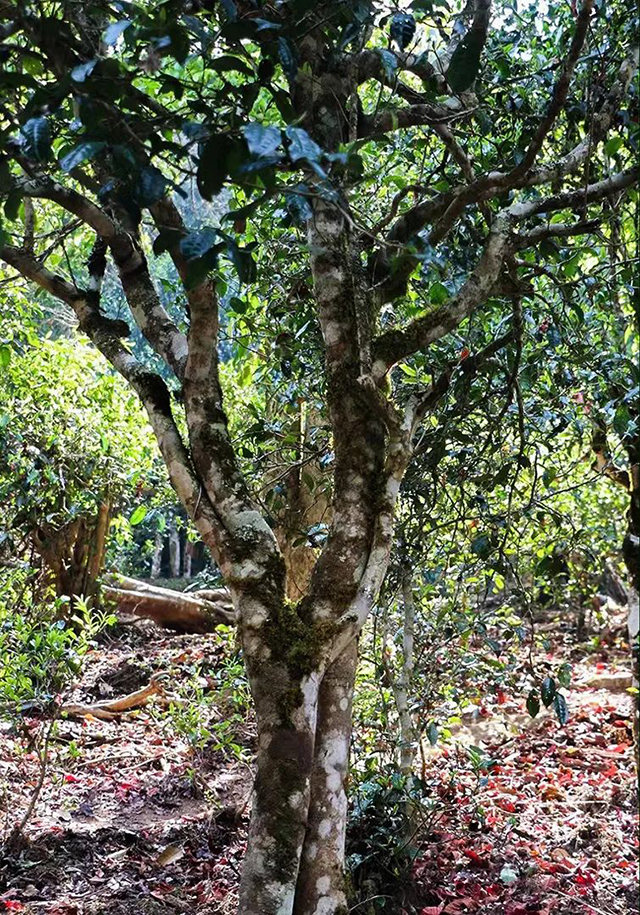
(133, 818)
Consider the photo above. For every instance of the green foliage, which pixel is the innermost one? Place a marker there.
(40, 658)
(385, 808)
(71, 436)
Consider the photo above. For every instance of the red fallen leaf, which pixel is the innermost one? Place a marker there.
(477, 859)
(71, 778)
(508, 806)
(464, 353)
(12, 905)
(501, 697)
(584, 879)
(460, 906)
(432, 909)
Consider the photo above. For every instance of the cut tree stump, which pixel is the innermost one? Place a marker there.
(197, 612)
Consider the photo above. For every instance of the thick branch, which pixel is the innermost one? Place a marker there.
(394, 345)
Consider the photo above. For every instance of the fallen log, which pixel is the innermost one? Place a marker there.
(112, 709)
(196, 612)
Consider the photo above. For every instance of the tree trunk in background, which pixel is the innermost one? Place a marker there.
(631, 552)
(187, 559)
(73, 555)
(174, 552)
(156, 559)
(408, 743)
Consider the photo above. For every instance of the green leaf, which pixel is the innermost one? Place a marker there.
(262, 141)
(560, 706)
(138, 515)
(114, 31)
(533, 703)
(612, 146)
(432, 733)
(37, 138)
(5, 356)
(465, 62)
(197, 243)
(81, 153)
(622, 420)
(548, 691)
(438, 293)
(301, 146)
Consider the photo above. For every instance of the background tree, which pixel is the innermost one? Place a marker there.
(74, 447)
(423, 160)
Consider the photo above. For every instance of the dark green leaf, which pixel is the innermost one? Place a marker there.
(5, 356)
(230, 9)
(166, 239)
(37, 138)
(564, 675)
(80, 73)
(402, 29)
(114, 31)
(465, 62)
(389, 64)
(197, 243)
(548, 691)
(432, 733)
(227, 62)
(301, 146)
(81, 153)
(288, 59)
(218, 157)
(262, 141)
(560, 706)
(299, 206)
(12, 204)
(481, 546)
(533, 703)
(242, 260)
(150, 187)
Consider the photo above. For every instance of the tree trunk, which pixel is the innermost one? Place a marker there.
(187, 559)
(195, 612)
(286, 701)
(174, 552)
(156, 559)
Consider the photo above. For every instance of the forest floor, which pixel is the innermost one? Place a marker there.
(132, 818)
